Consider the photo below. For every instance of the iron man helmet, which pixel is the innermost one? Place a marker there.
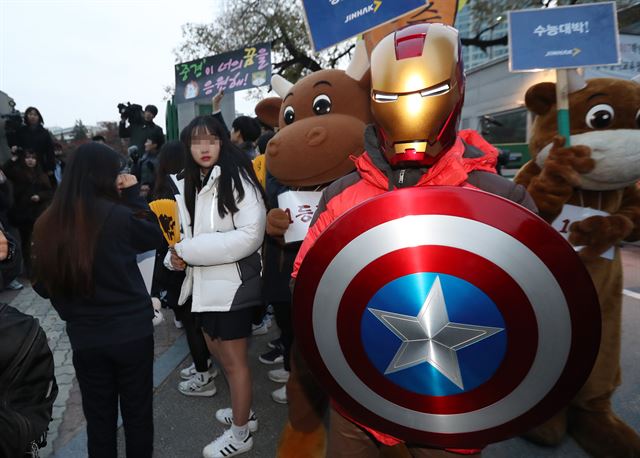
(417, 90)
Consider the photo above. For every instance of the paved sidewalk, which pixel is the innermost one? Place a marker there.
(183, 425)
(68, 419)
(27, 301)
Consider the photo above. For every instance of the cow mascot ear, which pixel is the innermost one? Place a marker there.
(267, 111)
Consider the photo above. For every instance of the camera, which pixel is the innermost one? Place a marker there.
(12, 118)
(13, 121)
(131, 112)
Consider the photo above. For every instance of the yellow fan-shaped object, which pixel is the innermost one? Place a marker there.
(167, 212)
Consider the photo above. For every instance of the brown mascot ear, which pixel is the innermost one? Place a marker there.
(268, 111)
(540, 98)
(365, 81)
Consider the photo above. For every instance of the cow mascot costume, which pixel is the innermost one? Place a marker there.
(321, 121)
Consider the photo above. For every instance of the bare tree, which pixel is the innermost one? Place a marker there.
(280, 22)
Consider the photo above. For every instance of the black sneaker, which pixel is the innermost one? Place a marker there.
(275, 343)
(272, 357)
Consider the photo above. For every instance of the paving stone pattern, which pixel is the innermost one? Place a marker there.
(68, 418)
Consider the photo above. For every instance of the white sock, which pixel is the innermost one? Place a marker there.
(240, 433)
(203, 376)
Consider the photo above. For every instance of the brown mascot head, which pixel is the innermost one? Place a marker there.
(605, 116)
(322, 120)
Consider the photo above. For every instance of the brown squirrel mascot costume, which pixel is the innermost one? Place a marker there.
(598, 171)
(321, 122)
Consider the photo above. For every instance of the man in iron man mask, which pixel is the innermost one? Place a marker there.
(417, 81)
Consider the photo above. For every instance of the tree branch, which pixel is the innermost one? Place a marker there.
(305, 61)
(484, 44)
(298, 57)
(332, 62)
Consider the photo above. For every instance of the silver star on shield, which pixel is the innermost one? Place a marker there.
(430, 337)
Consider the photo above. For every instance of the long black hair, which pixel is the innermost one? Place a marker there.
(65, 235)
(170, 161)
(233, 165)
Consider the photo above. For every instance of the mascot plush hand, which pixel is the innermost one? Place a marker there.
(588, 191)
(321, 122)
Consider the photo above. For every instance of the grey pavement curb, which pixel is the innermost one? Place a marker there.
(162, 368)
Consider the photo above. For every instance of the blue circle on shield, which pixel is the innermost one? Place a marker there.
(434, 334)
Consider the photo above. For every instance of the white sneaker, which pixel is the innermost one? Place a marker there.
(198, 386)
(14, 285)
(259, 329)
(226, 445)
(280, 395)
(178, 324)
(279, 375)
(225, 416)
(190, 371)
(157, 317)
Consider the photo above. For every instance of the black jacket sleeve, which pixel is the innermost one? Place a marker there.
(144, 228)
(218, 117)
(131, 197)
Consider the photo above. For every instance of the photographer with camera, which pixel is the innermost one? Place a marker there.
(140, 127)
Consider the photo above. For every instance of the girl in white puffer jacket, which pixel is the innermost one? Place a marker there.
(222, 214)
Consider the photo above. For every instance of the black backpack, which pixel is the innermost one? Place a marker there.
(27, 384)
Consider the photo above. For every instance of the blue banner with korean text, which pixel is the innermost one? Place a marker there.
(231, 71)
(563, 37)
(332, 21)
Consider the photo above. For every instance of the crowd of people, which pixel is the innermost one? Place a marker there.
(81, 223)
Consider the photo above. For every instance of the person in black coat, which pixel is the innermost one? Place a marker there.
(32, 193)
(85, 247)
(32, 135)
(139, 130)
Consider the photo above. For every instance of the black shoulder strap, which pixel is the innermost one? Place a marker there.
(172, 185)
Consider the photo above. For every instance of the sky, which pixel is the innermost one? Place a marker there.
(77, 59)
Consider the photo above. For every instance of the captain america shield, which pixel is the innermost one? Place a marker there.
(446, 316)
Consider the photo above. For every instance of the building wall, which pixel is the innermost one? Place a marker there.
(492, 89)
(473, 56)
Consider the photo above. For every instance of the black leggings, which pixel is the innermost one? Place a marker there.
(282, 312)
(195, 338)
